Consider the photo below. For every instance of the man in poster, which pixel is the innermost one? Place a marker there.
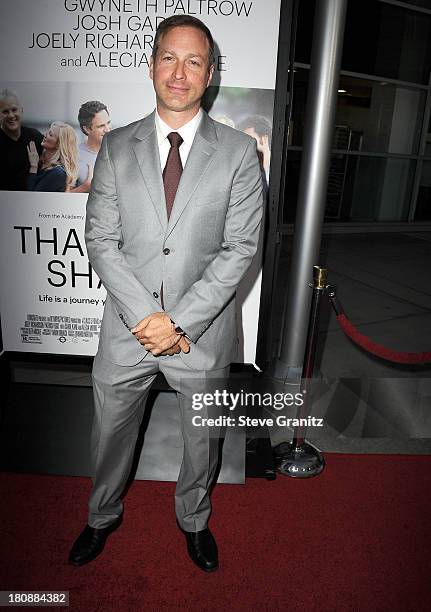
(95, 122)
(172, 225)
(14, 140)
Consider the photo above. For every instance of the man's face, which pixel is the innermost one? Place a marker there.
(100, 125)
(180, 70)
(10, 114)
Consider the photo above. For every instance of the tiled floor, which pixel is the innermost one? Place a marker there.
(384, 283)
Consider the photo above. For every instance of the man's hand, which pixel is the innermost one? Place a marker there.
(182, 345)
(33, 157)
(157, 333)
(86, 185)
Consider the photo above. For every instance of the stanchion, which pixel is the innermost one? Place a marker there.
(302, 459)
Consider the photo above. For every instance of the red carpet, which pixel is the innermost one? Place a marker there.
(355, 538)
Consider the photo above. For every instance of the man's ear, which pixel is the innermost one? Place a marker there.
(210, 74)
(85, 130)
(151, 67)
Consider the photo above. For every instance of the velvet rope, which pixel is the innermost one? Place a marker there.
(372, 347)
(378, 349)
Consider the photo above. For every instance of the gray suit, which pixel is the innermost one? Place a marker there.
(200, 256)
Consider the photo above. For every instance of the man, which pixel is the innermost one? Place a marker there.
(94, 121)
(170, 249)
(14, 140)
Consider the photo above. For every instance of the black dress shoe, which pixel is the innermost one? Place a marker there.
(202, 549)
(90, 543)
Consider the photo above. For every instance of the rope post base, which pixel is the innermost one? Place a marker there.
(301, 461)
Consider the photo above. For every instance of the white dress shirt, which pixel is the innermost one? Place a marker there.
(187, 133)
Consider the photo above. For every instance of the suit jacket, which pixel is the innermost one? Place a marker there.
(200, 254)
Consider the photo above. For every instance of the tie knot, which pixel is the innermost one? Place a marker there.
(175, 139)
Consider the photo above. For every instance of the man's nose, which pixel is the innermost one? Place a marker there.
(179, 72)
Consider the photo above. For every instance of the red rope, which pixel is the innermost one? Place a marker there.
(378, 349)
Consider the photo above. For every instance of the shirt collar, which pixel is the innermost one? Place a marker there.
(186, 131)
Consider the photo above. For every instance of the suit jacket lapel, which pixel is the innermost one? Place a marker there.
(200, 157)
(147, 155)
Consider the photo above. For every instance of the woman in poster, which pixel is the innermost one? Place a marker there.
(57, 167)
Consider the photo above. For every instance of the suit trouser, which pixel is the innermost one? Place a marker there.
(120, 394)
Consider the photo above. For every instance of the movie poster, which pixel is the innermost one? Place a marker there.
(67, 54)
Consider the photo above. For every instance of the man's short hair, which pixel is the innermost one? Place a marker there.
(260, 124)
(9, 93)
(87, 113)
(176, 21)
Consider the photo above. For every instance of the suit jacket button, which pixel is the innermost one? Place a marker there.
(155, 294)
(166, 251)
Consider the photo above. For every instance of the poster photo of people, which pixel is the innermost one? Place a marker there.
(51, 133)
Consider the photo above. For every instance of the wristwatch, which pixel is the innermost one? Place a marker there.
(178, 329)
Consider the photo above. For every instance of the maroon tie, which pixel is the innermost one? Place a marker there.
(173, 170)
(171, 178)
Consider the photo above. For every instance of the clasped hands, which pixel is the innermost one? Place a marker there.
(157, 333)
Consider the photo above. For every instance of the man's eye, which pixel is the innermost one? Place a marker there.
(167, 58)
(195, 63)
